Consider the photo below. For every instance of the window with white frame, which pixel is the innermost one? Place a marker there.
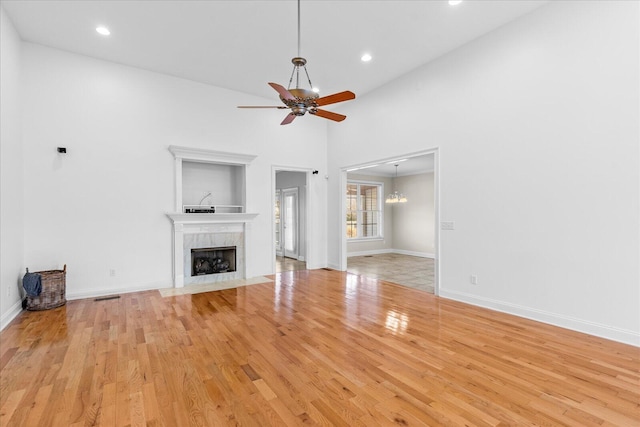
(364, 210)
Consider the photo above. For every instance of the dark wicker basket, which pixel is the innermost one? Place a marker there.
(54, 290)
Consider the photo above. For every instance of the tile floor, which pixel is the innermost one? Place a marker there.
(406, 270)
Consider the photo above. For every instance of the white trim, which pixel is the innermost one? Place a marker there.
(413, 253)
(210, 156)
(370, 252)
(10, 314)
(210, 218)
(126, 289)
(329, 265)
(391, 251)
(364, 239)
(592, 328)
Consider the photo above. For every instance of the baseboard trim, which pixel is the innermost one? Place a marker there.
(93, 293)
(371, 252)
(412, 253)
(592, 328)
(331, 266)
(391, 251)
(11, 314)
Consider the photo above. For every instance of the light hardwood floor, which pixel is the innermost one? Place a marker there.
(311, 348)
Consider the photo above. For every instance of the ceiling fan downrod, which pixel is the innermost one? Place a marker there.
(299, 61)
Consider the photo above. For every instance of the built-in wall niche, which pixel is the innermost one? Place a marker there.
(210, 179)
(220, 186)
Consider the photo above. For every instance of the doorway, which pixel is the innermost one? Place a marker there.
(290, 220)
(406, 249)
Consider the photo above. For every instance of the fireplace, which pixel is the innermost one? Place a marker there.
(220, 230)
(213, 260)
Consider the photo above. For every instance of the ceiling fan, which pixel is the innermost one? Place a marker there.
(301, 101)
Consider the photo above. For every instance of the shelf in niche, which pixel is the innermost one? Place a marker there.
(221, 174)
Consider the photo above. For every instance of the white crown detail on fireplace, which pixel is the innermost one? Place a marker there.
(200, 171)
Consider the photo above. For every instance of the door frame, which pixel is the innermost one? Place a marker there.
(307, 199)
(436, 195)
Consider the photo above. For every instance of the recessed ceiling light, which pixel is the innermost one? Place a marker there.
(365, 58)
(454, 2)
(103, 30)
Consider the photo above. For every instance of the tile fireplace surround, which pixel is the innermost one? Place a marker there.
(206, 230)
(192, 231)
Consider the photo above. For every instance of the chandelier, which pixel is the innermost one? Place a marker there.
(396, 197)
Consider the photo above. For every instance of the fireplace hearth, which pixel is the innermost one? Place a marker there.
(216, 260)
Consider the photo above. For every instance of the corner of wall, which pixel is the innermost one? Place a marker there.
(11, 171)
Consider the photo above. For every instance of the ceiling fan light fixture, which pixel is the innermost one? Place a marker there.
(301, 101)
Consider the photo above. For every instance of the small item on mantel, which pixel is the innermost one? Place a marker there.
(199, 209)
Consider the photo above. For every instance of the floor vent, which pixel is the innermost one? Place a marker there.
(107, 298)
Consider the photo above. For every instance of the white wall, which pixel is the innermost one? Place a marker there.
(223, 183)
(11, 181)
(536, 126)
(414, 221)
(102, 205)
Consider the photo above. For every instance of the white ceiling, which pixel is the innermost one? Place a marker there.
(242, 45)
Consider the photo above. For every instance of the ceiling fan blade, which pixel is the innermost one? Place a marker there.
(288, 119)
(336, 97)
(261, 106)
(285, 94)
(328, 115)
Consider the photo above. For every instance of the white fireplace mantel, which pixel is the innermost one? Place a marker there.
(206, 223)
(210, 218)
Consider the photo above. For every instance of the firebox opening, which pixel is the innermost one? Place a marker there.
(213, 260)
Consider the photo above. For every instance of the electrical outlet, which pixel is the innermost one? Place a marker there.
(447, 225)
(112, 272)
(473, 279)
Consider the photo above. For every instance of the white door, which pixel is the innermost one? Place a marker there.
(278, 223)
(289, 218)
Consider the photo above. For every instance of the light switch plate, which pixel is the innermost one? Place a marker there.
(447, 225)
